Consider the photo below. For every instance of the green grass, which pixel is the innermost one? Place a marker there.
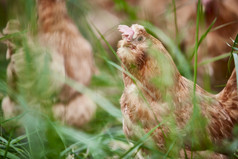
(34, 133)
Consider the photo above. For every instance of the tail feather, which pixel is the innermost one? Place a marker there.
(229, 97)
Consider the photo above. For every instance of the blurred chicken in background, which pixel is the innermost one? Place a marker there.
(215, 44)
(59, 33)
(72, 58)
(217, 40)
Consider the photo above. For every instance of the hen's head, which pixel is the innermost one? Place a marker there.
(144, 56)
(134, 43)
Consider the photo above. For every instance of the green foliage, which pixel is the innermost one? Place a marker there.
(36, 134)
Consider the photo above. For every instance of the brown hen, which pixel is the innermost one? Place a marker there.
(71, 54)
(166, 93)
(58, 32)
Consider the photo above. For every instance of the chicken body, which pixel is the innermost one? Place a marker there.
(170, 99)
(217, 40)
(71, 57)
(58, 32)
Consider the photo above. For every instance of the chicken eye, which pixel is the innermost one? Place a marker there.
(140, 38)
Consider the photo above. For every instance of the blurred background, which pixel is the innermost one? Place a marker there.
(35, 133)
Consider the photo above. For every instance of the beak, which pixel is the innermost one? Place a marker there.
(125, 43)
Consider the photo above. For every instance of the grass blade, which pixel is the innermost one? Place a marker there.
(13, 35)
(175, 21)
(3, 140)
(9, 155)
(204, 62)
(204, 36)
(140, 142)
(236, 67)
(19, 138)
(232, 50)
(8, 146)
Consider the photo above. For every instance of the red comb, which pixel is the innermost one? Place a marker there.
(126, 31)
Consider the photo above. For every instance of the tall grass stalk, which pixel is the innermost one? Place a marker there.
(236, 66)
(196, 48)
(175, 22)
(203, 37)
(235, 43)
(195, 107)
